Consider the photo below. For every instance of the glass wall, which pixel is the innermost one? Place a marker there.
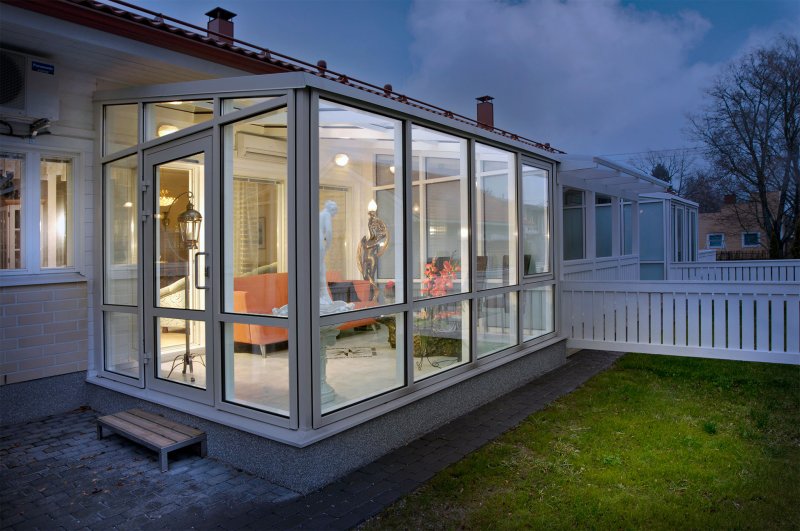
(440, 232)
(361, 359)
(257, 380)
(497, 323)
(255, 218)
(496, 241)
(441, 338)
(626, 228)
(392, 320)
(535, 220)
(255, 265)
(121, 231)
(573, 225)
(120, 127)
(602, 225)
(360, 209)
(122, 344)
(168, 117)
(537, 312)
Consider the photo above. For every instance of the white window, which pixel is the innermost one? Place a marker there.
(715, 241)
(751, 239)
(37, 212)
(573, 225)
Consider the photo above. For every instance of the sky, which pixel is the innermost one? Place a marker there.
(601, 77)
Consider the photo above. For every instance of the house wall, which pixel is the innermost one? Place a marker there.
(46, 318)
(732, 221)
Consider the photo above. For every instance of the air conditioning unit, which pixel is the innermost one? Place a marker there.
(257, 147)
(28, 88)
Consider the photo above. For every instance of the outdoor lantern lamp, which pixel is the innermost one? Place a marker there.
(189, 225)
(189, 222)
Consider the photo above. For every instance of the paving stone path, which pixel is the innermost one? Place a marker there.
(55, 474)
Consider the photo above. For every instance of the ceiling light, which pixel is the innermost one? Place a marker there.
(166, 129)
(341, 159)
(391, 170)
(127, 204)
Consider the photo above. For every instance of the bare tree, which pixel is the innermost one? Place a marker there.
(704, 189)
(751, 130)
(674, 166)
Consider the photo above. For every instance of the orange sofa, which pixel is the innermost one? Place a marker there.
(260, 294)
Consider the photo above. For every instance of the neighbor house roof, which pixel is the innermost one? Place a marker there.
(158, 29)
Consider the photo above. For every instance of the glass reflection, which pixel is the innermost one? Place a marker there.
(121, 343)
(440, 214)
(497, 227)
(535, 220)
(180, 190)
(168, 117)
(360, 359)
(537, 312)
(441, 338)
(121, 231)
(360, 221)
(181, 351)
(255, 215)
(257, 377)
(497, 323)
(120, 128)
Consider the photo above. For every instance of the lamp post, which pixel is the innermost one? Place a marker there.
(189, 222)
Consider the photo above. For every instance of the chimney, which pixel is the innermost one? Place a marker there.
(729, 199)
(486, 112)
(221, 23)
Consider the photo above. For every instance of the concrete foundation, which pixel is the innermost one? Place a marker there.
(35, 399)
(307, 469)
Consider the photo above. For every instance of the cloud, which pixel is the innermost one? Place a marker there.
(587, 76)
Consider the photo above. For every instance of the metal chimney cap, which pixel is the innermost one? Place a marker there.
(485, 99)
(220, 13)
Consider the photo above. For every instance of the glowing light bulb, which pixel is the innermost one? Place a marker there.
(341, 159)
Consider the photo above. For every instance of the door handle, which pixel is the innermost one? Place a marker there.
(197, 272)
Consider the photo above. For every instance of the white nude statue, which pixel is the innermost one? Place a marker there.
(326, 304)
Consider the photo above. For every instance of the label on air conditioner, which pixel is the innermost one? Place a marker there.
(44, 68)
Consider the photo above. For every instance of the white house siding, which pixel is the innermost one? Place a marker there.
(46, 327)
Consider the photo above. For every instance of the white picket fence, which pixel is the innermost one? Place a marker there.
(738, 271)
(753, 321)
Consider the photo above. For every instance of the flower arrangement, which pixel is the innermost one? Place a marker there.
(434, 324)
(438, 280)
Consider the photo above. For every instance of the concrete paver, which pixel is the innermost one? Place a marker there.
(54, 473)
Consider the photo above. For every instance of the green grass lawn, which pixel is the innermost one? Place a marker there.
(655, 442)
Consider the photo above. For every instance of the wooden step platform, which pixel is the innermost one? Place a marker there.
(153, 431)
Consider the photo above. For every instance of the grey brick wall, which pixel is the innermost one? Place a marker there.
(43, 331)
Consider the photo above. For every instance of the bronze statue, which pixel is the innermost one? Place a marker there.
(372, 248)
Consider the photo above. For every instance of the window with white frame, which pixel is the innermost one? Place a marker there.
(602, 225)
(626, 228)
(751, 239)
(37, 190)
(715, 240)
(573, 225)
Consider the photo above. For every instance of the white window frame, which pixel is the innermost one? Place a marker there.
(30, 205)
(708, 240)
(584, 213)
(750, 246)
